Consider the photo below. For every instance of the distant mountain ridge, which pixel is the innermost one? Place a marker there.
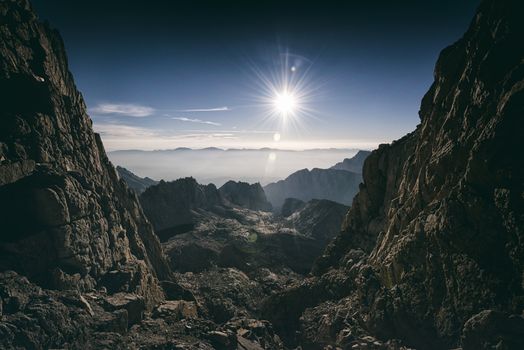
(354, 164)
(338, 183)
(137, 183)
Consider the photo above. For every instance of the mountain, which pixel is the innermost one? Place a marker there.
(245, 195)
(172, 207)
(353, 164)
(67, 222)
(219, 166)
(336, 185)
(431, 251)
(137, 183)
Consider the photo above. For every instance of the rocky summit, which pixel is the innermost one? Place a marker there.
(429, 256)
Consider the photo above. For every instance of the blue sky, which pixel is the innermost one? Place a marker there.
(167, 74)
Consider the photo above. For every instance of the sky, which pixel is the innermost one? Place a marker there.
(251, 74)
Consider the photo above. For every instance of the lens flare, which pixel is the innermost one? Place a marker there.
(285, 103)
(285, 93)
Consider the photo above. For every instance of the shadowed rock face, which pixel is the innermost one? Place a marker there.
(245, 195)
(67, 220)
(434, 239)
(172, 207)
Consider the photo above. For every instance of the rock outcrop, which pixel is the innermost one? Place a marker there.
(353, 164)
(432, 248)
(250, 196)
(135, 182)
(172, 207)
(67, 221)
(336, 185)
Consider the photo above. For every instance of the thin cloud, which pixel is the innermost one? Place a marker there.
(124, 131)
(128, 110)
(216, 109)
(193, 120)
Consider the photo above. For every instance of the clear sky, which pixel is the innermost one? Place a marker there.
(234, 74)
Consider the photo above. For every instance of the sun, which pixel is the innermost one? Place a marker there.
(285, 103)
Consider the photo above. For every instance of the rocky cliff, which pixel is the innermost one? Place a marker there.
(250, 196)
(173, 206)
(432, 248)
(67, 221)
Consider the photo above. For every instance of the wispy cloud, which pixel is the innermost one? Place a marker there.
(193, 120)
(129, 110)
(216, 109)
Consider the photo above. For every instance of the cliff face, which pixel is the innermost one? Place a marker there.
(245, 195)
(432, 248)
(172, 206)
(67, 221)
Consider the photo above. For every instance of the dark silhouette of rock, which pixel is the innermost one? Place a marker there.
(353, 164)
(250, 196)
(173, 207)
(290, 206)
(336, 185)
(67, 220)
(320, 219)
(434, 237)
(137, 183)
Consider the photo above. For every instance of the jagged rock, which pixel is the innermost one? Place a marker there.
(67, 220)
(491, 329)
(318, 219)
(290, 206)
(170, 206)
(439, 216)
(137, 183)
(178, 309)
(222, 340)
(336, 185)
(245, 195)
(133, 304)
(353, 164)
(174, 291)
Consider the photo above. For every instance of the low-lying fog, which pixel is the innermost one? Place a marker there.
(218, 166)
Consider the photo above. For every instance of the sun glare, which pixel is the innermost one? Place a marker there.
(285, 91)
(285, 103)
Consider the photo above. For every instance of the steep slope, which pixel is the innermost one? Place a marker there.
(336, 185)
(353, 164)
(137, 183)
(67, 221)
(432, 248)
(250, 196)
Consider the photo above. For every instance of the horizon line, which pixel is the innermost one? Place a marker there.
(244, 149)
